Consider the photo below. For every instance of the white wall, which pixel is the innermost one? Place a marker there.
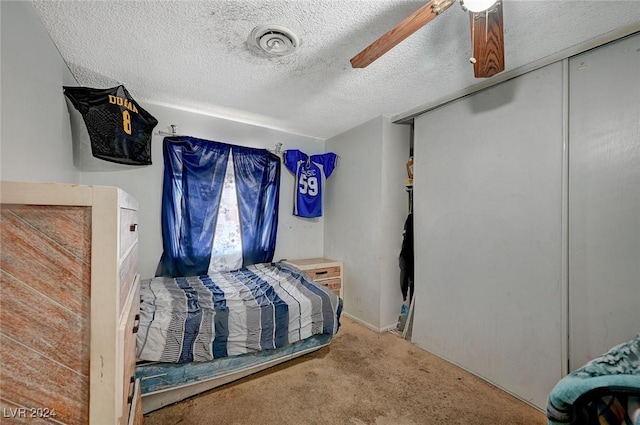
(488, 233)
(352, 217)
(297, 237)
(35, 140)
(365, 211)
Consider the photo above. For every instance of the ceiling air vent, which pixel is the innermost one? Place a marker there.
(273, 40)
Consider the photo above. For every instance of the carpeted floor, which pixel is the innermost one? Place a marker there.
(362, 378)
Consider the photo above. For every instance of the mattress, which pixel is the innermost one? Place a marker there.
(256, 308)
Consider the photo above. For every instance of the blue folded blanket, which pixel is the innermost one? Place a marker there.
(616, 372)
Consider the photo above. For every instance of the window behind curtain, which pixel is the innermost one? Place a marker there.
(226, 252)
(219, 206)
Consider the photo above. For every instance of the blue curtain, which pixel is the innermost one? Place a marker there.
(194, 174)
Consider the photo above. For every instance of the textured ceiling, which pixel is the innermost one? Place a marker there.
(193, 54)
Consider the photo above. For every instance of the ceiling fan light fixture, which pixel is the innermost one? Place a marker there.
(476, 6)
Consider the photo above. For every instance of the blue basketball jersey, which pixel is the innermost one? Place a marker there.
(310, 173)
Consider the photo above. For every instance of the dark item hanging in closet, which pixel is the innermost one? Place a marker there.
(406, 260)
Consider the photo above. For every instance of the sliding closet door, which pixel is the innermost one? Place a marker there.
(488, 234)
(604, 199)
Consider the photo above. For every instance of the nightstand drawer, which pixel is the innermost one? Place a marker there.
(323, 273)
(333, 284)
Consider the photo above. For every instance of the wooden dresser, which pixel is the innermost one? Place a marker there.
(69, 304)
(323, 271)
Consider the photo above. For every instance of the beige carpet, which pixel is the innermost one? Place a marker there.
(362, 378)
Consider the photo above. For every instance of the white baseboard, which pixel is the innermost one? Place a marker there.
(369, 325)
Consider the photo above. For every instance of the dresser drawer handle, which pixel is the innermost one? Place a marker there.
(133, 227)
(136, 324)
(322, 272)
(132, 390)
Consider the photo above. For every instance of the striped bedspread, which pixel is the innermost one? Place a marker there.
(260, 307)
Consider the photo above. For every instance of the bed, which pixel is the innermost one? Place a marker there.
(200, 332)
(605, 391)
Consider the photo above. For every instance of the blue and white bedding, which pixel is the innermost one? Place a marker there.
(259, 307)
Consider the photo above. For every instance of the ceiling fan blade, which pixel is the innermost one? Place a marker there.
(488, 41)
(404, 29)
